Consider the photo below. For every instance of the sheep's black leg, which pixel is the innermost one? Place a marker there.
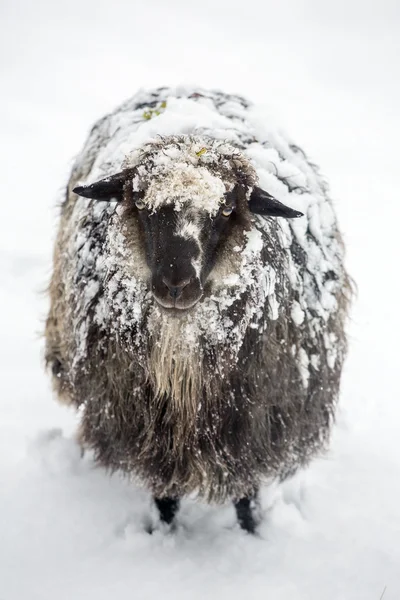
(246, 509)
(167, 507)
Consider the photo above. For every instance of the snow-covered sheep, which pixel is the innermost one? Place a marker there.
(196, 322)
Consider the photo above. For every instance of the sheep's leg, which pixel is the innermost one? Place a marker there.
(167, 507)
(246, 512)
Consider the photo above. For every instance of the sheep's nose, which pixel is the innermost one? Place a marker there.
(175, 289)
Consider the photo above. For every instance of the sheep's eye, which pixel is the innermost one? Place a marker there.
(227, 210)
(140, 204)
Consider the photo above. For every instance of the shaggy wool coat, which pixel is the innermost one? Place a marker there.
(243, 387)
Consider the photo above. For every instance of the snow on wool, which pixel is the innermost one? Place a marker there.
(176, 140)
(283, 170)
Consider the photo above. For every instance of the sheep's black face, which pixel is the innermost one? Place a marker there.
(180, 250)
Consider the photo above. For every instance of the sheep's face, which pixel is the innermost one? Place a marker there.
(192, 200)
(182, 240)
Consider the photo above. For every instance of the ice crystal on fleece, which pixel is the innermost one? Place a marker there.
(297, 313)
(303, 366)
(256, 278)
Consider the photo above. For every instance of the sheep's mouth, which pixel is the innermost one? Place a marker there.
(176, 307)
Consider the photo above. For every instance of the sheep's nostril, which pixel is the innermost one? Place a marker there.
(175, 289)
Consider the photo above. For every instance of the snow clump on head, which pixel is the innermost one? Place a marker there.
(196, 171)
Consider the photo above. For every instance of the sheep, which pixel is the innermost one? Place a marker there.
(198, 300)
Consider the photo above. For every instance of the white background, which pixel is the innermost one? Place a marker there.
(330, 71)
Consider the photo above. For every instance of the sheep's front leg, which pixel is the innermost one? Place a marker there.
(167, 507)
(247, 509)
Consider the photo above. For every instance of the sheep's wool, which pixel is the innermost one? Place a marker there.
(244, 384)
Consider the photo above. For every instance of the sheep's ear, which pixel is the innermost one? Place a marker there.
(262, 203)
(110, 188)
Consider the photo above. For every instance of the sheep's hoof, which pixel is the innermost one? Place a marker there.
(167, 508)
(246, 512)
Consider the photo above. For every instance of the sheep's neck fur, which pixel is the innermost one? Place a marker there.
(175, 372)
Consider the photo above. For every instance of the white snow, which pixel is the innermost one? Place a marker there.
(68, 530)
(303, 367)
(297, 313)
(176, 174)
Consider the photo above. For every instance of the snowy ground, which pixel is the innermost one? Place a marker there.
(330, 70)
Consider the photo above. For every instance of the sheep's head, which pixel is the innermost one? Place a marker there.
(190, 198)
